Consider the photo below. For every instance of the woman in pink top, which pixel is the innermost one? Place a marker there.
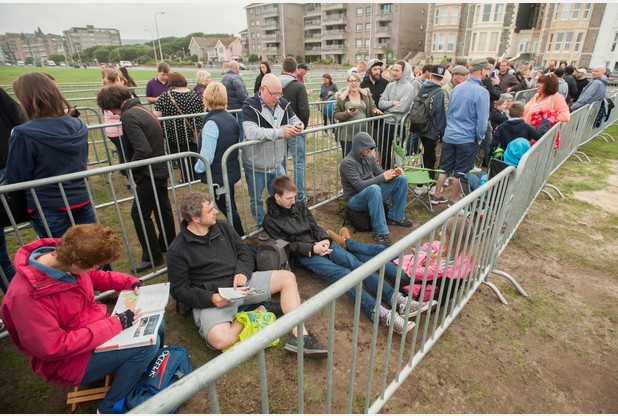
(548, 100)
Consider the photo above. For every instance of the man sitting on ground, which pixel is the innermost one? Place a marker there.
(366, 186)
(310, 246)
(209, 254)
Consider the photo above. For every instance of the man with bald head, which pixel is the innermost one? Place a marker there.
(236, 91)
(595, 91)
(266, 116)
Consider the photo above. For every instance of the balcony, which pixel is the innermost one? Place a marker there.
(384, 14)
(311, 9)
(270, 23)
(382, 45)
(271, 49)
(383, 29)
(334, 18)
(329, 48)
(268, 11)
(312, 23)
(334, 6)
(313, 48)
(272, 37)
(333, 34)
(312, 35)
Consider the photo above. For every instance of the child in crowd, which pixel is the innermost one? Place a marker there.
(516, 127)
(498, 113)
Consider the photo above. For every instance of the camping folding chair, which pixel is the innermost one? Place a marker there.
(415, 173)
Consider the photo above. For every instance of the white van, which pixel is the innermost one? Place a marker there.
(51, 63)
(21, 63)
(126, 64)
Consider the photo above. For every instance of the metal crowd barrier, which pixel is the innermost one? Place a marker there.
(525, 95)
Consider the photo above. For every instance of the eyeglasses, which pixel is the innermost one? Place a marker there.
(275, 95)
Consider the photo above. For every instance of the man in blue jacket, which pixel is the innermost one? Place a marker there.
(236, 92)
(466, 123)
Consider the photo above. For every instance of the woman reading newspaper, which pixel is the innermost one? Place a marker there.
(52, 317)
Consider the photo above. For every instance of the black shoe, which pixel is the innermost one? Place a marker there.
(403, 223)
(311, 345)
(382, 239)
(145, 265)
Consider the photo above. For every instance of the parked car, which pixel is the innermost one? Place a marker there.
(126, 64)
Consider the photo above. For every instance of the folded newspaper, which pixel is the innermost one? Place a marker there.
(239, 293)
(152, 301)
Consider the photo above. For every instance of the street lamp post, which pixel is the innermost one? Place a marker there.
(158, 37)
(153, 44)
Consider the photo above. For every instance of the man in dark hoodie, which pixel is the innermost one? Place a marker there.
(515, 127)
(296, 94)
(366, 186)
(208, 255)
(376, 84)
(311, 247)
(143, 138)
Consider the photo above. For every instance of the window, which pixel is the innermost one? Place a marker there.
(366, 57)
(578, 41)
(435, 20)
(523, 44)
(357, 57)
(567, 41)
(477, 13)
(586, 11)
(440, 42)
(551, 39)
(486, 12)
(473, 41)
(534, 46)
(433, 43)
(257, 22)
(576, 8)
(359, 11)
(359, 43)
(566, 11)
(423, 11)
(368, 11)
(442, 20)
(367, 27)
(493, 41)
(498, 12)
(367, 42)
(482, 41)
(450, 46)
(359, 27)
(558, 45)
(615, 41)
(421, 27)
(252, 23)
(454, 16)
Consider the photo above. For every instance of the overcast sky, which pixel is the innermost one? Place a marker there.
(133, 20)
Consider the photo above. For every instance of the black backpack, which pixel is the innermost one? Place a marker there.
(420, 112)
(273, 255)
(360, 220)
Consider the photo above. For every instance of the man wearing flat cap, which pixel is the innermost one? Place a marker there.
(467, 118)
(458, 75)
(376, 84)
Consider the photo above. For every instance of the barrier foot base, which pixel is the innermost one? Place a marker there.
(579, 152)
(547, 185)
(607, 137)
(512, 280)
(496, 291)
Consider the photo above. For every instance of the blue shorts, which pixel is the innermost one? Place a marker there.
(458, 158)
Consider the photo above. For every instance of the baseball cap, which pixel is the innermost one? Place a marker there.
(461, 70)
(303, 66)
(582, 70)
(480, 63)
(374, 62)
(438, 71)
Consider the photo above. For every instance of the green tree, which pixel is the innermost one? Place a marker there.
(194, 58)
(253, 58)
(56, 57)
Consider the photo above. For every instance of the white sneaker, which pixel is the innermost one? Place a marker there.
(414, 307)
(400, 325)
(476, 169)
(447, 182)
(432, 191)
(420, 190)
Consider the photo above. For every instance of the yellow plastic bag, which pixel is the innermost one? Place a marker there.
(253, 321)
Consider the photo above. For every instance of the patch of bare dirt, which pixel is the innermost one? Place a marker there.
(606, 198)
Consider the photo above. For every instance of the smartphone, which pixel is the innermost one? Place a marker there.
(494, 73)
(353, 109)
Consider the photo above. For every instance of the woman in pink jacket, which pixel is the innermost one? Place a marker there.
(52, 317)
(547, 102)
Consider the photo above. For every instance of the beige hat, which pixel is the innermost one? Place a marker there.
(461, 70)
(582, 70)
(480, 63)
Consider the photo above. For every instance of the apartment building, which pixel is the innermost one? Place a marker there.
(80, 38)
(38, 46)
(336, 32)
(580, 34)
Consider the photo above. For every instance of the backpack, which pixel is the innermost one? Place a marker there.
(360, 220)
(170, 365)
(420, 112)
(273, 255)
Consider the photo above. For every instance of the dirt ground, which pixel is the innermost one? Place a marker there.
(555, 351)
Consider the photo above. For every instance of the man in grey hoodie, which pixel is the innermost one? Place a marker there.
(395, 101)
(595, 91)
(366, 186)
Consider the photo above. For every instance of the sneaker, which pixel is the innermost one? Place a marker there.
(311, 345)
(400, 325)
(401, 307)
(420, 190)
(447, 182)
(435, 200)
(382, 239)
(476, 169)
(432, 190)
(345, 233)
(336, 238)
(263, 236)
(406, 223)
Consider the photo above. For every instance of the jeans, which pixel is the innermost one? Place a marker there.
(429, 155)
(346, 147)
(372, 199)
(222, 207)
(296, 145)
(59, 221)
(130, 363)
(365, 252)
(122, 158)
(5, 262)
(412, 144)
(338, 264)
(256, 182)
(149, 200)
(241, 132)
